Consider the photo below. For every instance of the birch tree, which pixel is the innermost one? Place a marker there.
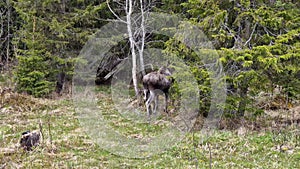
(136, 30)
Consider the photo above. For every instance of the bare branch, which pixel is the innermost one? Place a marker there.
(119, 2)
(112, 11)
(251, 34)
(109, 20)
(230, 33)
(268, 32)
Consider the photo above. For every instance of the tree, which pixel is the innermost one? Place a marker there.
(136, 33)
(7, 17)
(256, 41)
(49, 40)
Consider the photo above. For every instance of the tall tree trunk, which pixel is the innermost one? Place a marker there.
(132, 45)
(243, 102)
(141, 50)
(8, 31)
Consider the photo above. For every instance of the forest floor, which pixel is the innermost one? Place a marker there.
(264, 142)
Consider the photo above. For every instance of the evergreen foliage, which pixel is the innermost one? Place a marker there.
(257, 41)
(50, 38)
(258, 44)
(9, 22)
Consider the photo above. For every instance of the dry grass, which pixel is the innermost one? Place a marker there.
(251, 143)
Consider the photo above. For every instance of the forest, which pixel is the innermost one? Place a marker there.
(73, 92)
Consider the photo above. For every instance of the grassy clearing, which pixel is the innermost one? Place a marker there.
(66, 145)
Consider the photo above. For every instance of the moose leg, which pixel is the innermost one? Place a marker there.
(155, 104)
(148, 104)
(166, 103)
(146, 93)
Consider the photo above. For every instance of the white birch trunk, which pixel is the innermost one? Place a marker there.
(132, 45)
(141, 49)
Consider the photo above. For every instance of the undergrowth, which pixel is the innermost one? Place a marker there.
(66, 144)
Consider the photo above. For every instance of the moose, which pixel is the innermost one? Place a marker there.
(154, 83)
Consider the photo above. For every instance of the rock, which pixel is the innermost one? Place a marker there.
(30, 140)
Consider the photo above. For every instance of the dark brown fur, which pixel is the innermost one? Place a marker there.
(30, 139)
(156, 81)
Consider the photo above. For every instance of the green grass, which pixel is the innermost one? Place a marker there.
(72, 148)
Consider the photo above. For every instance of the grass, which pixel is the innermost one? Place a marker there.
(67, 145)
